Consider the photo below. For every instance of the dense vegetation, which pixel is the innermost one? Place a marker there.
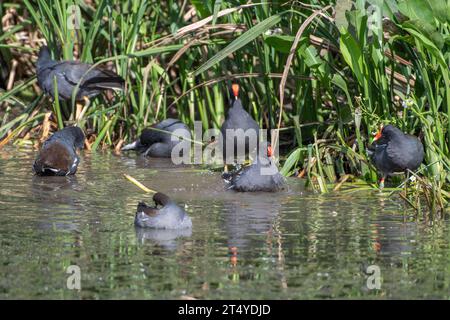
(327, 73)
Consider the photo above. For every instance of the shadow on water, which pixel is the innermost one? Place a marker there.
(293, 244)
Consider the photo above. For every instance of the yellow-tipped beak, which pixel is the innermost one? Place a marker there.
(378, 135)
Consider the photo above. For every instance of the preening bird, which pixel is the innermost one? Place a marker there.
(168, 216)
(58, 156)
(160, 142)
(261, 175)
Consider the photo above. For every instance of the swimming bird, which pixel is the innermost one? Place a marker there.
(238, 118)
(393, 151)
(69, 73)
(169, 216)
(158, 141)
(261, 175)
(58, 156)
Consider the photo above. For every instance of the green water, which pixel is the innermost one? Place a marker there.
(290, 245)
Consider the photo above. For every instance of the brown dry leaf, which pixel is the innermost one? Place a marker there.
(46, 125)
(118, 146)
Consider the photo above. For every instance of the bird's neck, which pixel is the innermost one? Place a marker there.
(44, 63)
(237, 104)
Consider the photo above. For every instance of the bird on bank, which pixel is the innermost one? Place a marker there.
(58, 156)
(168, 216)
(393, 151)
(237, 118)
(261, 175)
(159, 140)
(69, 73)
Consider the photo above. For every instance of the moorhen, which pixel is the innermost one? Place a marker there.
(69, 73)
(58, 155)
(169, 216)
(262, 175)
(237, 118)
(393, 151)
(159, 144)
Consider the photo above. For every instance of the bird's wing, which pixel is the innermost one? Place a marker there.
(150, 211)
(105, 79)
(74, 71)
(70, 71)
(397, 156)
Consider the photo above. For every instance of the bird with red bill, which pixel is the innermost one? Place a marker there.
(393, 151)
(238, 119)
(261, 175)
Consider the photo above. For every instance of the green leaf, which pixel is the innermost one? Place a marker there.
(291, 162)
(429, 45)
(352, 55)
(281, 43)
(201, 7)
(238, 43)
(101, 135)
(427, 30)
(217, 6)
(339, 81)
(417, 10)
(312, 58)
(441, 9)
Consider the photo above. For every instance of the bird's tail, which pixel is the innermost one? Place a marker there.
(106, 80)
(132, 146)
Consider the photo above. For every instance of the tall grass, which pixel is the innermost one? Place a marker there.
(327, 77)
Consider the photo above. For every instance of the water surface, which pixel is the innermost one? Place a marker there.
(289, 245)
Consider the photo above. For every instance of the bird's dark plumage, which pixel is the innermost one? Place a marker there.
(58, 155)
(69, 73)
(238, 118)
(395, 151)
(262, 175)
(160, 142)
(168, 216)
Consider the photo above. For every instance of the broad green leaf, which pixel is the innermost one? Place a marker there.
(427, 30)
(352, 55)
(291, 162)
(281, 43)
(441, 9)
(416, 10)
(311, 56)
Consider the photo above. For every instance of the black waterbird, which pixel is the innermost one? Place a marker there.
(261, 175)
(69, 73)
(168, 216)
(237, 118)
(58, 156)
(393, 151)
(160, 142)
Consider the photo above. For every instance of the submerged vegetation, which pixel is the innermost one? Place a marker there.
(326, 73)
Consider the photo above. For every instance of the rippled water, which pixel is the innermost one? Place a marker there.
(293, 245)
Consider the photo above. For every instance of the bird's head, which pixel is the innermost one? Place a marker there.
(44, 57)
(386, 132)
(378, 134)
